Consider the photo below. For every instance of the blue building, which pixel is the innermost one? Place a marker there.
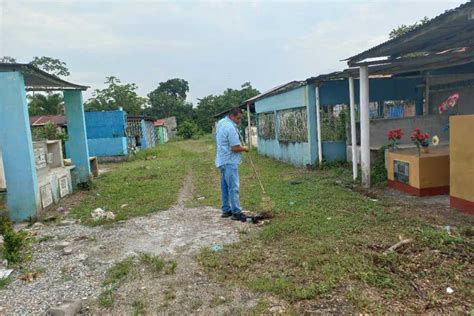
(287, 116)
(23, 164)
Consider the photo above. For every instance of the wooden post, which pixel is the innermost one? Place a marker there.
(353, 128)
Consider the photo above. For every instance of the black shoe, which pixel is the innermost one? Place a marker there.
(224, 215)
(239, 217)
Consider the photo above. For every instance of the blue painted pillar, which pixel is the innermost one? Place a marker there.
(76, 126)
(312, 123)
(143, 140)
(23, 198)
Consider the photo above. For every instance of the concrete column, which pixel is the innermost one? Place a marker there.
(318, 126)
(364, 126)
(249, 127)
(353, 128)
(77, 134)
(23, 198)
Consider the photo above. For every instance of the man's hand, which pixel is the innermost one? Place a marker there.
(239, 149)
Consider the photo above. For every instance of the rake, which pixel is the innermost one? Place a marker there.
(266, 203)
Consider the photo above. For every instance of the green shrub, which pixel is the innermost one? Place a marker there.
(14, 243)
(379, 172)
(187, 130)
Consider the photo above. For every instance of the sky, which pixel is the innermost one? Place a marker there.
(213, 45)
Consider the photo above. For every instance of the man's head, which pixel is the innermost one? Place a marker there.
(235, 114)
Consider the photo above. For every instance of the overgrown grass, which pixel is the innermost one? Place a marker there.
(326, 241)
(148, 183)
(327, 236)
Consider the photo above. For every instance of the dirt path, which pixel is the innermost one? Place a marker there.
(176, 234)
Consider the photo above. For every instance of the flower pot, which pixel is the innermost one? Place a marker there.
(425, 150)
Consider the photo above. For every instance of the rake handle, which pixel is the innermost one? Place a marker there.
(252, 164)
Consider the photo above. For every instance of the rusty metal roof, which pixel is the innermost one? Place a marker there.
(159, 123)
(41, 120)
(452, 29)
(39, 80)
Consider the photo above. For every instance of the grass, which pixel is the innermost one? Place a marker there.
(107, 298)
(145, 184)
(118, 272)
(139, 307)
(152, 261)
(326, 241)
(121, 272)
(4, 282)
(326, 236)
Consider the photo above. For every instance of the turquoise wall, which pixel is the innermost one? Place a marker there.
(77, 135)
(297, 153)
(334, 150)
(105, 134)
(23, 198)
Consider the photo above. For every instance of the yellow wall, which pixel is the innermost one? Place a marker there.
(429, 170)
(461, 139)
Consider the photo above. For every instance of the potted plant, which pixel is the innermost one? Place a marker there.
(421, 140)
(394, 136)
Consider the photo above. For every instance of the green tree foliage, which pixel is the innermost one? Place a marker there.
(51, 65)
(116, 95)
(211, 104)
(169, 99)
(187, 130)
(46, 104)
(402, 29)
(48, 132)
(7, 59)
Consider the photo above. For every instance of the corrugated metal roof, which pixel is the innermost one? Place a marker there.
(275, 90)
(39, 80)
(41, 120)
(140, 117)
(451, 29)
(159, 123)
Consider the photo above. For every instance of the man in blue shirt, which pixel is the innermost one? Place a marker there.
(228, 159)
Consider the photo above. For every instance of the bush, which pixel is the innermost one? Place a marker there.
(379, 172)
(187, 130)
(15, 243)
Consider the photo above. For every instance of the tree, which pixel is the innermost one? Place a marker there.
(187, 130)
(402, 29)
(7, 59)
(169, 99)
(46, 104)
(116, 95)
(211, 104)
(51, 65)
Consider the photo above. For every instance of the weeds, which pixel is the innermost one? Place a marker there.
(139, 307)
(152, 261)
(4, 282)
(118, 272)
(171, 267)
(15, 243)
(107, 298)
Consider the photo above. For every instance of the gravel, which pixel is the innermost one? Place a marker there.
(72, 259)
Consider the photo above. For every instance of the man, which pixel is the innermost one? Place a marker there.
(228, 159)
